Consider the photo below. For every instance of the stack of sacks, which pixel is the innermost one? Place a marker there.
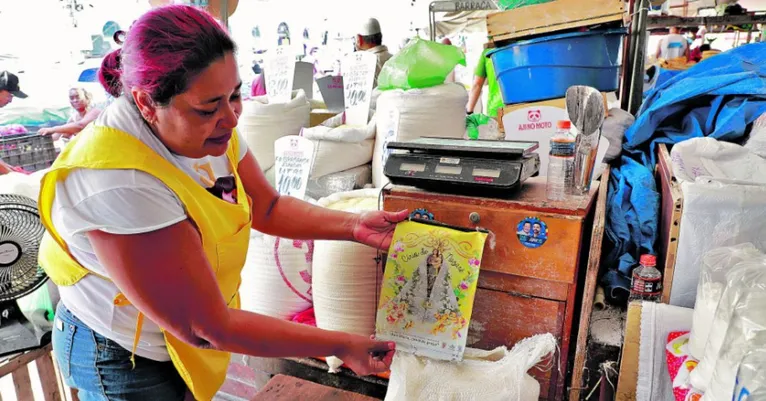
(339, 147)
(404, 115)
(345, 278)
(262, 124)
(276, 279)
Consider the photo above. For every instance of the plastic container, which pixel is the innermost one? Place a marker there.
(560, 173)
(31, 152)
(544, 68)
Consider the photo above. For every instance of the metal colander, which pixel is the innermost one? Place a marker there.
(20, 234)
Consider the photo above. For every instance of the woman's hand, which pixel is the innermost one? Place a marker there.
(47, 131)
(367, 356)
(375, 229)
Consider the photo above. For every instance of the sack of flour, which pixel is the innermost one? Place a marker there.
(715, 264)
(497, 375)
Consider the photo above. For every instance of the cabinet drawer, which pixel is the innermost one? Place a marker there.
(555, 260)
(501, 318)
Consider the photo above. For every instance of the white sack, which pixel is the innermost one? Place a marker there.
(710, 158)
(15, 183)
(757, 141)
(345, 277)
(262, 124)
(436, 111)
(497, 375)
(339, 147)
(276, 279)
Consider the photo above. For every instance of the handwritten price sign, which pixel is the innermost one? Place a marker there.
(294, 157)
(358, 77)
(280, 72)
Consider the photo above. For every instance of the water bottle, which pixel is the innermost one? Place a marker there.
(646, 281)
(560, 163)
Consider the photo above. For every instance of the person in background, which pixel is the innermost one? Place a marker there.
(672, 46)
(370, 39)
(485, 73)
(148, 215)
(83, 113)
(9, 88)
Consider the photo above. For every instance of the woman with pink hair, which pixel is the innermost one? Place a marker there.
(148, 214)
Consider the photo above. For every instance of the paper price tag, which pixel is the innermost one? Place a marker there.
(294, 157)
(358, 77)
(280, 73)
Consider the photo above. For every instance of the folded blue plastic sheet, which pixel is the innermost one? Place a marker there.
(719, 97)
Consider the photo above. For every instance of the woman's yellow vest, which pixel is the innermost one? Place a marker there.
(223, 226)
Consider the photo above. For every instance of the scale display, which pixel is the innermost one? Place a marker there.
(479, 168)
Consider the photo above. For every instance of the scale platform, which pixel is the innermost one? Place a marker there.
(460, 166)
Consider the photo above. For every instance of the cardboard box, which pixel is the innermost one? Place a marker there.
(318, 116)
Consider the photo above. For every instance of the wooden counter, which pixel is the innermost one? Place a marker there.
(522, 291)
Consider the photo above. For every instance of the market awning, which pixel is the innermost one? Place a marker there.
(462, 22)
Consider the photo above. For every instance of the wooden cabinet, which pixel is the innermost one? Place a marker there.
(523, 290)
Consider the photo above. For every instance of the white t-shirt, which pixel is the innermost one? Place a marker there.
(125, 202)
(673, 46)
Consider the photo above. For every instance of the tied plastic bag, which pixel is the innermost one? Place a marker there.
(482, 126)
(715, 265)
(420, 64)
(497, 375)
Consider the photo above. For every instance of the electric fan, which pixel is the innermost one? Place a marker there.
(20, 234)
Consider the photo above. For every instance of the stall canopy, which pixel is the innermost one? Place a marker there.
(462, 22)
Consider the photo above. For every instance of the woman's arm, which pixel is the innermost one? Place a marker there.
(475, 94)
(288, 217)
(75, 127)
(166, 275)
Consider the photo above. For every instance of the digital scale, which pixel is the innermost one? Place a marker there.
(470, 167)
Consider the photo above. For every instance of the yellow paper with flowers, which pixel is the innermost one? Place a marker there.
(428, 289)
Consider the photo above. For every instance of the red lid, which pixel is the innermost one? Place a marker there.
(563, 124)
(648, 260)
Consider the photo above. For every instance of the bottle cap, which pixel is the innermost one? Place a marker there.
(648, 260)
(563, 124)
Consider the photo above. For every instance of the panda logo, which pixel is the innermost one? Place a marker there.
(534, 115)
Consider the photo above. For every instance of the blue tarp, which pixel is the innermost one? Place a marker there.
(719, 97)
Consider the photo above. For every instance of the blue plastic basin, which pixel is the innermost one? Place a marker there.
(543, 68)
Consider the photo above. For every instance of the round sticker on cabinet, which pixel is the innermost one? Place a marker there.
(532, 232)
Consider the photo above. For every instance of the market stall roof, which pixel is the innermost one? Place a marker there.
(462, 21)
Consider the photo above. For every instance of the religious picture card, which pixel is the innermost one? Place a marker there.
(428, 289)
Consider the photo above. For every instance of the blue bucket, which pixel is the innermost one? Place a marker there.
(544, 68)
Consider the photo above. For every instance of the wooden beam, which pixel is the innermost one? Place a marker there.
(591, 282)
(22, 360)
(628, 381)
(22, 384)
(48, 378)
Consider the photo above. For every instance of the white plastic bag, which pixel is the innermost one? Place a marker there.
(346, 280)
(715, 264)
(739, 281)
(262, 124)
(757, 141)
(751, 380)
(339, 147)
(710, 158)
(747, 332)
(276, 279)
(497, 375)
(405, 115)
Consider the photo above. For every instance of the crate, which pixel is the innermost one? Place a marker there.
(32, 152)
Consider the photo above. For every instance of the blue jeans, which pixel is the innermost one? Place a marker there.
(100, 369)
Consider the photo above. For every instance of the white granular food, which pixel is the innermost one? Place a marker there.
(704, 312)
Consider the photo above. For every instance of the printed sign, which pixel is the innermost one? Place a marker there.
(390, 131)
(332, 93)
(280, 73)
(293, 156)
(532, 232)
(358, 77)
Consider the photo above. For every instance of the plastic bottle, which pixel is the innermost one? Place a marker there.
(560, 163)
(646, 281)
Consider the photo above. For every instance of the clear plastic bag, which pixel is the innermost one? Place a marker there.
(751, 380)
(420, 64)
(715, 264)
(742, 278)
(747, 332)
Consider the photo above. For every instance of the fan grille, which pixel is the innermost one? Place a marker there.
(20, 234)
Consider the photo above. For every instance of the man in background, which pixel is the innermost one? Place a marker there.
(485, 73)
(672, 46)
(369, 38)
(9, 88)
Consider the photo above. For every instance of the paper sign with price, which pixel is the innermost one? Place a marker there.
(280, 72)
(358, 77)
(294, 156)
